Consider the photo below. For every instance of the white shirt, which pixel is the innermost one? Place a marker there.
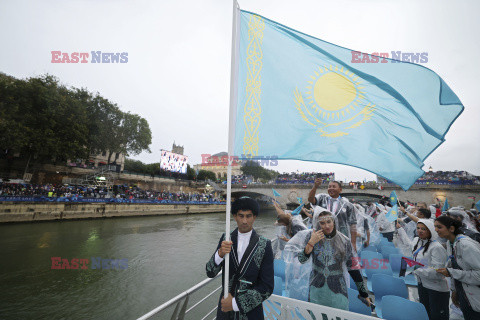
(333, 205)
(242, 243)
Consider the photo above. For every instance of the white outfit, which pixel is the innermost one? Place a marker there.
(242, 244)
(467, 252)
(435, 257)
(383, 223)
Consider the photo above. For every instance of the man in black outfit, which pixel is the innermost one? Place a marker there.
(251, 266)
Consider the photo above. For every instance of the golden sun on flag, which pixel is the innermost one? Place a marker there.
(336, 101)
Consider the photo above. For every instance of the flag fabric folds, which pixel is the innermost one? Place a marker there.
(302, 98)
(297, 210)
(445, 205)
(392, 214)
(275, 193)
(393, 198)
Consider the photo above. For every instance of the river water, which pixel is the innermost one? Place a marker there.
(166, 255)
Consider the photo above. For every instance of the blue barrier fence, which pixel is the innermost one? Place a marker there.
(101, 200)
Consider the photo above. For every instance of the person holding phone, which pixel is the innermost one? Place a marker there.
(342, 209)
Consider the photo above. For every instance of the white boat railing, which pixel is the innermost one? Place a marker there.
(275, 308)
(181, 304)
(181, 301)
(283, 308)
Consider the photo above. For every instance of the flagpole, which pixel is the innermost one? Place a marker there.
(231, 132)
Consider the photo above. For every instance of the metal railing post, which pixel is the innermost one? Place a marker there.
(181, 316)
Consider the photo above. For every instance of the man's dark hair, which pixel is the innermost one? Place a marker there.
(426, 213)
(339, 184)
(245, 203)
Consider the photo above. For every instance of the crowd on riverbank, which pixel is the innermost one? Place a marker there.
(120, 192)
(453, 178)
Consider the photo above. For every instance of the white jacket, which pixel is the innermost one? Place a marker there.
(467, 252)
(436, 257)
(383, 223)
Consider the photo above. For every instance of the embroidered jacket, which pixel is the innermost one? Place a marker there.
(251, 281)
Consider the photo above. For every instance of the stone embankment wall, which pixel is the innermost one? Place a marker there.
(32, 212)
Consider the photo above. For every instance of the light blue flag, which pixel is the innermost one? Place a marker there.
(392, 215)
(303, 98)
(478, 205)
(275, 193)
(393, 198)
(299, 199)
(297, 210)
(445, 205)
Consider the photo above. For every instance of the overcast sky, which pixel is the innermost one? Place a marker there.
(178, 70)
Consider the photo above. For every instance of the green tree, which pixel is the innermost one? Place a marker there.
(191, 175)
(138, 166)
(41, 117)
(131, 136)
(252, 168)
(103, 119)
(205, 174)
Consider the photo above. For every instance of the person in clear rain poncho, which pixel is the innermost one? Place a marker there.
(287, 226)
(316, 260)
(367, 230)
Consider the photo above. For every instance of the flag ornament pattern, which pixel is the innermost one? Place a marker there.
(302, 98)
(253, 88)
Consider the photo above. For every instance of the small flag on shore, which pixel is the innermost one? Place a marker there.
(275, 193)
(445, 205)
(393, 198)
(392, 214)
(472, 198)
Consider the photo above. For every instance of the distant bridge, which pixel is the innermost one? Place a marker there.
(456, 195)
